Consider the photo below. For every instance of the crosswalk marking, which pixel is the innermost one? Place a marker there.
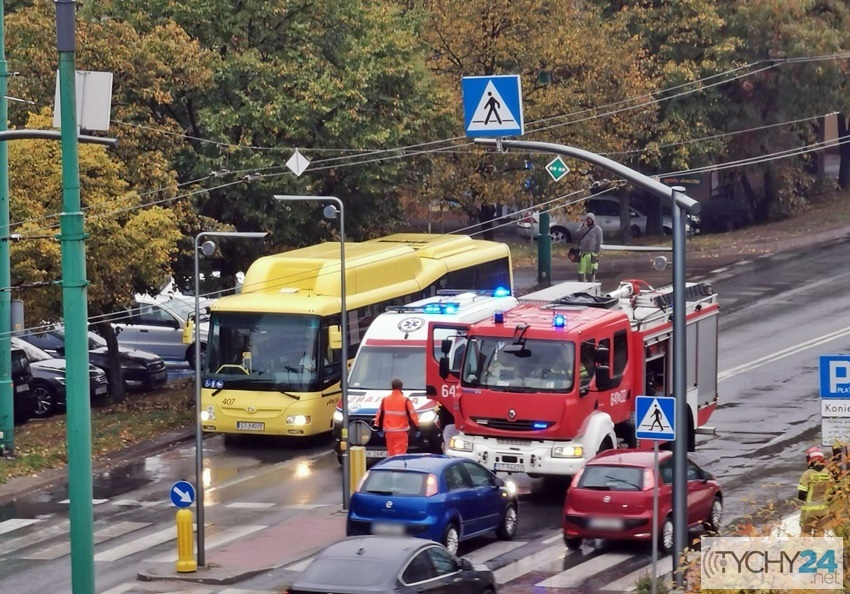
(555, 538)
(137, 546)
(219, 539)
(14, 524)
(574, 576)
(135, 503)
(493, 550)
(525, 565)
(249, 505)
(10, 546)
(93, 501)
(141, 587)
(627, 582)
(108, 533)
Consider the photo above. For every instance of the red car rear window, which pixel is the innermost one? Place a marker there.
(611, 478)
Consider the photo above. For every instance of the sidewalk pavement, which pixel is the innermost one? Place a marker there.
(294, 539)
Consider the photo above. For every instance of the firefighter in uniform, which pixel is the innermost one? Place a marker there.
(812, 491)
(396, 417)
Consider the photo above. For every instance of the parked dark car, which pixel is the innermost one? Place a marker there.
(389, 565)
(444, 499)
(48, 383)
(24, 399)
(141, 370)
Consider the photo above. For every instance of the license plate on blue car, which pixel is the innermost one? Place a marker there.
(387, 529)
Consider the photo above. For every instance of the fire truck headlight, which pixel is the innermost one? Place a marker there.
(567, 452)
(298, 420)
(427, 417)
(460, 444)
(337, 416)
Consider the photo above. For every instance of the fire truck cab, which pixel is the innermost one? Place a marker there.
(545, 386)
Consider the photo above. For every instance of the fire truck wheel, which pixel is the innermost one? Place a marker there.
(605, 445)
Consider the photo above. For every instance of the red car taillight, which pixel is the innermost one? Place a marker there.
(648, 479)
(576, 478)
(432, 487)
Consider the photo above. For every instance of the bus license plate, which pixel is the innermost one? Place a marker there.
(100, 390)
(376, 453)
(246, 426)
(509, 467)
(22, 388)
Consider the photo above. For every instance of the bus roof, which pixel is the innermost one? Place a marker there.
(403, 263)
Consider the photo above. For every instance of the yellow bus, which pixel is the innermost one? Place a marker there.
(272, 363)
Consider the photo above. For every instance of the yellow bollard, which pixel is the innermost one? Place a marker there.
(185, 542)
(357, 465)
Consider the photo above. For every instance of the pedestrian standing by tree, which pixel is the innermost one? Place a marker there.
(589, 246)
(396, 417)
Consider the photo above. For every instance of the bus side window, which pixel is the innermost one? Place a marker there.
(330, 357)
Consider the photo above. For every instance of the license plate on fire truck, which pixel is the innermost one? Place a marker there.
(509, 467)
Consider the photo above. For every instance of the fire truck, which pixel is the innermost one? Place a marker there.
(545, 386)
(394, 347)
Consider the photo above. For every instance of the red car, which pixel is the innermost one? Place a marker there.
(611, 498)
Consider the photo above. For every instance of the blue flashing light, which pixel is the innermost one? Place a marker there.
(539, 425)
(441, 308)
(501, 292)
(433, 308)
(499, 317)
(450, 308)
(559, 321)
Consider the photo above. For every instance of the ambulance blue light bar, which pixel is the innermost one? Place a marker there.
(442, 308)
(501, 292)
(497, 292)
(559, 321)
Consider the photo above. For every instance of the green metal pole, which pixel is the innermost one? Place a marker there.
(75, 310)
(7, 396)
(544, 250)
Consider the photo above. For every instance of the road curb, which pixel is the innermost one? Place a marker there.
(215, 576)
(25, 485)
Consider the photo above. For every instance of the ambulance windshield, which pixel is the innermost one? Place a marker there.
(539, 366)
(377, 367)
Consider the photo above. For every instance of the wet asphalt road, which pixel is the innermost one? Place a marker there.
(778, 315)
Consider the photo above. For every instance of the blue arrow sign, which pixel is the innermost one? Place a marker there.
(182, 494)
(492, 105)
(655, 418)
(835, 376)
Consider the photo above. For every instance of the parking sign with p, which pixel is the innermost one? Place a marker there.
(835, 376)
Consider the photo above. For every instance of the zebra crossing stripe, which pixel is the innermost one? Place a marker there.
(137, 546)
(493, 550)
(108, 533)
(528, 564)
(575, 576)
(14, 524)
(16, 544)
(627, 582)
(249, 505)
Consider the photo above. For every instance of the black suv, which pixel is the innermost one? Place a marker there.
(22, 381)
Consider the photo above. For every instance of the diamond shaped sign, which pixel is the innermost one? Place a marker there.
(297, 163)
(557, 168)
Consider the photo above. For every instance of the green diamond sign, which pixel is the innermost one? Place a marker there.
(557, 168)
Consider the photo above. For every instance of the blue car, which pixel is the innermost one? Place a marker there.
(443, 499)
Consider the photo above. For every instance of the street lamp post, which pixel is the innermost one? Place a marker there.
(208, 248)
(331, 212)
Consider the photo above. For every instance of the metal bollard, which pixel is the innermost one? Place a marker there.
(357, 462)
(185, 542)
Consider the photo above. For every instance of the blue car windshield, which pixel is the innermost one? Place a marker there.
(394, 482)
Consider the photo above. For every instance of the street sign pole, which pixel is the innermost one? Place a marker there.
(655, 520)
(7, 399)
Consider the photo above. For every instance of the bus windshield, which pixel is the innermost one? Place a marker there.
(263, 351)
(377, 367)
(539, 366)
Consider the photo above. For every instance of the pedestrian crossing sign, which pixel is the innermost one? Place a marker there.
(492, 105)
(655, 418)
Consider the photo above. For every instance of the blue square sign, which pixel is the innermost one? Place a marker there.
(655, 418)
(492, 105)
(835, 376)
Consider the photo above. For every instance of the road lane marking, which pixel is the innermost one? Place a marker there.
(271, 469)
(528, 564)
(137, 546)
(627, 582)
(93, 501)
(102, 535)
(10, 546)
(554, 538)
(249, 505)
(222, 538)
(493, 550)
(787, 352)
(575, 576)
(15, 523)
(244, 591)
(135, 503)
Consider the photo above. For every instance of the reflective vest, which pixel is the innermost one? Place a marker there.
(396, 413)
(815, 484)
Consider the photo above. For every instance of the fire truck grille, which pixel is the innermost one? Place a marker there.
(518, 425)
(511, 442)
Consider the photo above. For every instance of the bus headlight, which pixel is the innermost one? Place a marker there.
(337, 416)
(298, 420)
(429, 416)
(460, 444)
(567, 452)
(209, 414)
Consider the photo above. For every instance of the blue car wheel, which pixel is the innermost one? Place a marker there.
(451, 538)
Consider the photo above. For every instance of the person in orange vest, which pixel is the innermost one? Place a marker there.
(395, 417)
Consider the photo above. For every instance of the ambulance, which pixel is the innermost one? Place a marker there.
(394, 347)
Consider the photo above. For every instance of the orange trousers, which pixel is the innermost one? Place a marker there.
(396, 442)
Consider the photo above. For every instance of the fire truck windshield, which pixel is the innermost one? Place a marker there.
(539, 366)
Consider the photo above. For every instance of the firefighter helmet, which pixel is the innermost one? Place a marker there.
(814, 453)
